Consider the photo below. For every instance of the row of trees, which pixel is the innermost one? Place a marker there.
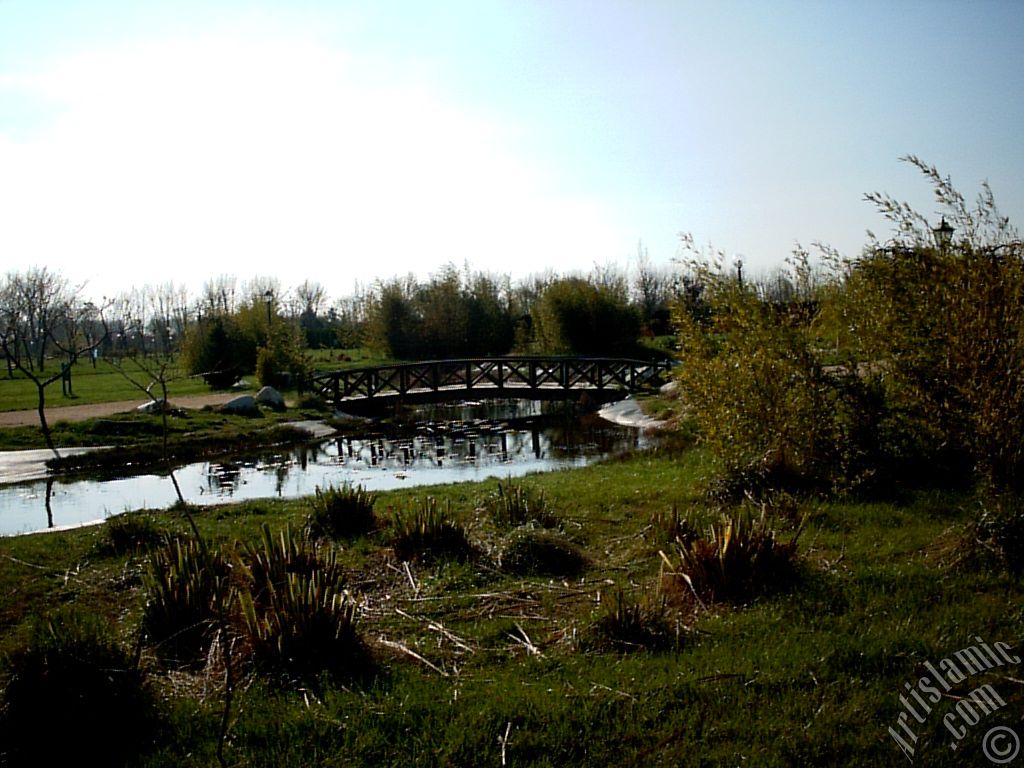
(452, 313)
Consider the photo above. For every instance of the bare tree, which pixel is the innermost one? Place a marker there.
(47, 312)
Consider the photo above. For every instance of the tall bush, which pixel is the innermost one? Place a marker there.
(756, 383)
(578, 316)
(908, 356)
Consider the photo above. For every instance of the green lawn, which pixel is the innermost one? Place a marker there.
(102, 384)
(811, 676)
(105, 383)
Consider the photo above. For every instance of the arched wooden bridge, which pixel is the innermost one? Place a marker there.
(534, 378)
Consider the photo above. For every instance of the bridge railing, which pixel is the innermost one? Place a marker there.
(490, 374)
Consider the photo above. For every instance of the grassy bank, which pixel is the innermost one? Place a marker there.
(477, 665)
(138, 437)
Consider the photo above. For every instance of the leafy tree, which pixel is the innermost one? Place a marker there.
(577, 316)
(450, 316)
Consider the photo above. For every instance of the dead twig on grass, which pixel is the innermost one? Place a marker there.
(411, 653)
(436, 626)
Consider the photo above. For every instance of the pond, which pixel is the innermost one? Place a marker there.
(453, 444)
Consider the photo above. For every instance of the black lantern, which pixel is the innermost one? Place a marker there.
(943, 234)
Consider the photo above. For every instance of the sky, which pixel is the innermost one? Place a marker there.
(144, 142)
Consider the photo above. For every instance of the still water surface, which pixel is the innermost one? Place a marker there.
(466, 443)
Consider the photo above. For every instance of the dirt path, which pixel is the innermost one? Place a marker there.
(99, 410)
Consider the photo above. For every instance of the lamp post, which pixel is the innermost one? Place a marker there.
(739, 271)
(943, 234)
(269, 297)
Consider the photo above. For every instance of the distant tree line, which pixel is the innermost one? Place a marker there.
(257, 326)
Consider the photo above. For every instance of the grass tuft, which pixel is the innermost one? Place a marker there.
(534, 551)
(736, 559)
(425, 532)
(515, 504)
(669, 526)
(187, 588)
(627, 624)
(132, 532)
(299, 619)
(337, 513)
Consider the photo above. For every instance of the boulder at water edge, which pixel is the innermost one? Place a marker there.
(271, 398)
(243, 404)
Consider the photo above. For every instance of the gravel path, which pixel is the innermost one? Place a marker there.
(99, 410)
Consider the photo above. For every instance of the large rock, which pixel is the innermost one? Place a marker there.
(271, 398)
(243, 404)
(153, 406)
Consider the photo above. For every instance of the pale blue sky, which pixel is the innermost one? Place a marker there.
(148, 141)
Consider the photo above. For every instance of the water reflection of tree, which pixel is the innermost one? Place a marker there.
(49, 508)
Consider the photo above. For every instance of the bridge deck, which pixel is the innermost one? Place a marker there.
(540, 377)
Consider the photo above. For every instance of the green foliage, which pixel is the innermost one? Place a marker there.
(578, 316)
(426, 532)
(515, 504)
(627, 624)
(281, 362)
(757, 387)
(132, 532)
(187, 589)
(736, 559)
(218, 350)
(299, 619)
(946, 327)
(450, 316)
(341, 512)
(74, 696)
(268, 564)
(223, 346)
(999, 530)
(535, 551)
(907, 363)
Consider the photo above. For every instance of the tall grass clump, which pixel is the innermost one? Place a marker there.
(298, 617)
(337, 513)
(268, 564)
(514, 504)
(187, 590)
(738, 557)
(668, 526)
(132, 532)
(426, 532)
(75, 696)
(530, 551)
(626, 624)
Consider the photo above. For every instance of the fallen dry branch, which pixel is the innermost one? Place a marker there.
(401, 647)
(436, 626)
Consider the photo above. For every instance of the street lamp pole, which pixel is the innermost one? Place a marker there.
(269, 296)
